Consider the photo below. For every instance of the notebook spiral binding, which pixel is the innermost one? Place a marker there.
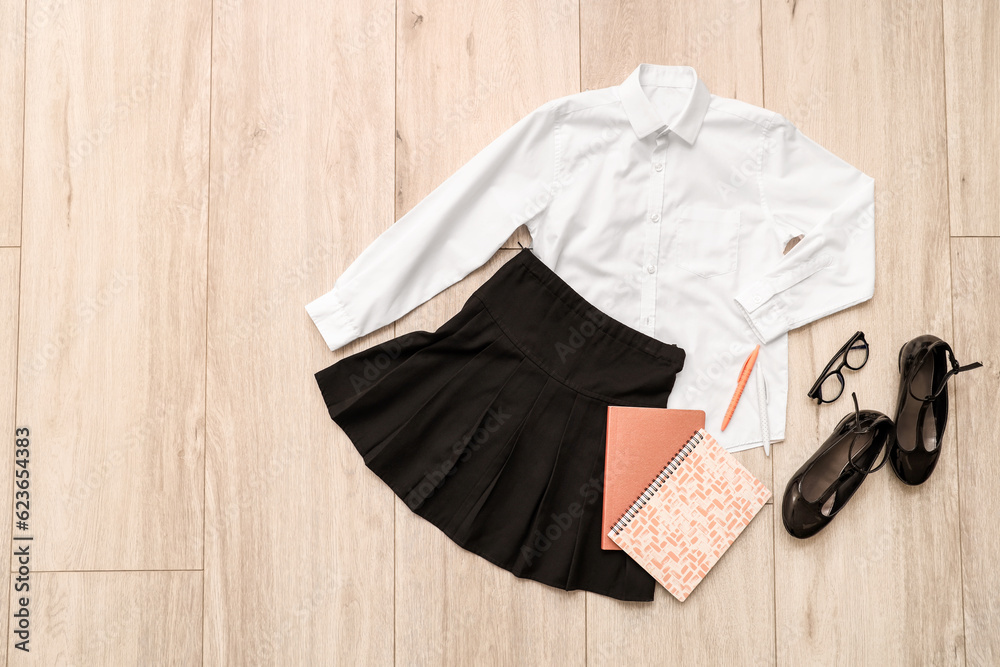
(659, 481)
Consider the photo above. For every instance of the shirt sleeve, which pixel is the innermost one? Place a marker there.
(806, 190)
(449, 234)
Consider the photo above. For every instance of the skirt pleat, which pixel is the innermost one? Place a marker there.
(562, 521)
(492, 427)
(508, 500)
(360, 386)
(599, 570)
(439, 438)
(472, 458)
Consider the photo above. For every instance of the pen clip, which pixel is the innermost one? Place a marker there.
(762, 403)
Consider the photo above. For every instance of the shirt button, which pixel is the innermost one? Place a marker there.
(655, 217)
(658, 166)
(651, 268)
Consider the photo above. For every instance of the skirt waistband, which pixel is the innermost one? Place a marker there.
(571, 339)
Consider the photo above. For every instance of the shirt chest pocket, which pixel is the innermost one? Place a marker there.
(707, 241)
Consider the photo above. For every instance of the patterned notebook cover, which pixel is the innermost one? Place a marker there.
(690, 514)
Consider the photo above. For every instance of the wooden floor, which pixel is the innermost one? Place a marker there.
(177, 179)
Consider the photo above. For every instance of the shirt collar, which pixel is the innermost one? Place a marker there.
(644, 117)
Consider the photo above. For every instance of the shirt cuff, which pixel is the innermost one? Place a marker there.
(764, 311)
(332, 320)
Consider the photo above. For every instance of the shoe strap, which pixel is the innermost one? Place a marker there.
(955, 370)
(856, 431)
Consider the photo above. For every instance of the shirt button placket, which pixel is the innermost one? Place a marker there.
(651, 245)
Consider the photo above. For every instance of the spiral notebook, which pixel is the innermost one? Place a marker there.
(639, 442)
(690, 514)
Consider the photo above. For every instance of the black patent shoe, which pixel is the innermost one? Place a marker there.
(922, 407)
(824, 483)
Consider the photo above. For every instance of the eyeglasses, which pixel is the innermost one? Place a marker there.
(830, 384)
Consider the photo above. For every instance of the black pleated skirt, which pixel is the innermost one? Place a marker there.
(493, 427)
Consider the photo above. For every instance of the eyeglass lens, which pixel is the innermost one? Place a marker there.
(857, 355)
(832, 387)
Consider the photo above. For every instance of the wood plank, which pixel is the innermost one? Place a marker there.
(111, 365)
(713, 37)
(972, 66)
(298, 535)
(698, 631)
(859, 591)
(465, 73)
(456, 608)
(721, 40)
(12, 36)
(973, 432)
(113, 618)
(9, 268)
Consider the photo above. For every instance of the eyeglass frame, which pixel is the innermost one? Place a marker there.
(829, 371)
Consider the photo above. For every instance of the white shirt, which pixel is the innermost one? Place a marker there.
(663, 205)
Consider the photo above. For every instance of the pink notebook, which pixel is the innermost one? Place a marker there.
(639, 442)
(680, 526)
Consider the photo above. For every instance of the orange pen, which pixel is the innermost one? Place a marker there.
(740, 386)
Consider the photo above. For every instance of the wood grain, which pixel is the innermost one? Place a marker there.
(859, 591)
(972, 65)
(298, 534)
(111, 375)
(194, 172)
(9, 269)
(727, 620)
(718, 38)
(113, 618)
(456, 608)
(465, 73)
(973, 434)
(12, 36)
